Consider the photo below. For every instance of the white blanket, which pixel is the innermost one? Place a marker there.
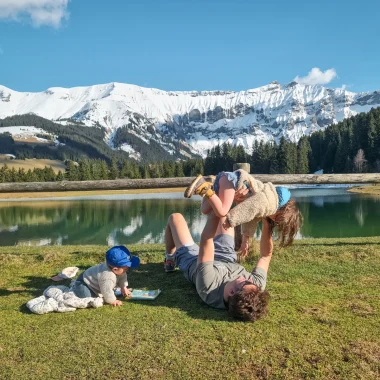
(60, 298)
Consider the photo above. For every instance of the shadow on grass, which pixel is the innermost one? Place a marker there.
(177, 292)
(34, 286)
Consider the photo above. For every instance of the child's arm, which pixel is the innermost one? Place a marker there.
(122, 281)
(222, 204)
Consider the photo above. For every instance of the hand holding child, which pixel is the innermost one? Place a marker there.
(240, 195)
(244, 246)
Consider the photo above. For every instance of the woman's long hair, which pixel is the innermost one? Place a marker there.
(288, 220)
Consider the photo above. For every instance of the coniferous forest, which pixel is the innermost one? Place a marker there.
(350, 146)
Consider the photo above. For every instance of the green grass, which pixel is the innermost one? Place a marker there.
(323, 323)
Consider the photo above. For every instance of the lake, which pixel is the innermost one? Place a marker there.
(131, 219)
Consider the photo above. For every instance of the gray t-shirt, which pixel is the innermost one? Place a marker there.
(212, 276)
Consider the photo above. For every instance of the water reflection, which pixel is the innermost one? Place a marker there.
(327, 213)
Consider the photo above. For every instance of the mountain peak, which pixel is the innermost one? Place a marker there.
(198, 119)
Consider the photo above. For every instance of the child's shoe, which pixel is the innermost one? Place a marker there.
(169, 263)
(199, 186)
(210, 178)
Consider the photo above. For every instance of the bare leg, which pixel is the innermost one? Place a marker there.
(221, 204)
(177, 233)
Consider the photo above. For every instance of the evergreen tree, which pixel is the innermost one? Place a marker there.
(85, 171)
(60, 177)
(114, 170)
(104, 170)
(303, 151)
(179, 170)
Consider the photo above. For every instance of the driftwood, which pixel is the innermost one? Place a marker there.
(155, 183)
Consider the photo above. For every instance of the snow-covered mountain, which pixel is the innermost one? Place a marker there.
(199, 119)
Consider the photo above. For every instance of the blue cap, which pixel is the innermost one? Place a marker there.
(283, 196)
(119, 256)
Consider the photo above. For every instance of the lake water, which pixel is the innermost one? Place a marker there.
(131, 219)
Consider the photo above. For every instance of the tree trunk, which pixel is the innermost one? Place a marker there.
(155, 183)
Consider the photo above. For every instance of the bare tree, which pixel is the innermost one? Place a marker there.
(360, 161)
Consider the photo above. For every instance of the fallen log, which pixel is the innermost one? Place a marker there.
(156, 183)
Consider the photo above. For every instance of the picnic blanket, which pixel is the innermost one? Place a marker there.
(61, 299)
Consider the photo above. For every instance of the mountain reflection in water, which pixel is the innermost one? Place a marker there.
(327, 213)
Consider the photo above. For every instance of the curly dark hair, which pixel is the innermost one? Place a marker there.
(288, 220)
(249, 304)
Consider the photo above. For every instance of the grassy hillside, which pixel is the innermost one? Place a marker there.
(31, 163)
(323, 323)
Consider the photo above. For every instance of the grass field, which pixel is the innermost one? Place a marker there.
(324, 320)
(31, 163)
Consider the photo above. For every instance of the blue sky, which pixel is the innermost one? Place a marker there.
(189, 45)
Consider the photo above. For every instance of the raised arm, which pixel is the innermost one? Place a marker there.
(206, 246)
(266, 247)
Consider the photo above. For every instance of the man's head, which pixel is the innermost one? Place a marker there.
(119, 259)
(245, 301)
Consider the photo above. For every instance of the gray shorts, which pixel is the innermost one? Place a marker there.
(186, 256)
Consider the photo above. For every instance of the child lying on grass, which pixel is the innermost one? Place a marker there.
(101, 279)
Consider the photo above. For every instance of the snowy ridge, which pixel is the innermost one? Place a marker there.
(199, 119)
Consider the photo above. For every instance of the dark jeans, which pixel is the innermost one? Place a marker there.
(81, 290)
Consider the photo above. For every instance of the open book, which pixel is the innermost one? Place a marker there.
(141, 294)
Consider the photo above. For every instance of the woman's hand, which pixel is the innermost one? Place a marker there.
(244, 246)
(116, 303)
(240, 195)
(226, 224)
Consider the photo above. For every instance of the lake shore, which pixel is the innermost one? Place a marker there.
(370, 189)
(64, 194)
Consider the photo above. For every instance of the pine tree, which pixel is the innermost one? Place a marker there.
(85, 172)
(59, 176)
(104, 170)
(303, 151)
(114, 170)
(72, 171)
(179, 169)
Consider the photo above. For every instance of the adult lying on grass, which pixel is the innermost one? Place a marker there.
(220, 281)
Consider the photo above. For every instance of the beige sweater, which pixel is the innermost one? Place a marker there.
(259, 205)
(102, 281)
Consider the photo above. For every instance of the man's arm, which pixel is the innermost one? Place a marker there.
(206, 246)
(266, 247)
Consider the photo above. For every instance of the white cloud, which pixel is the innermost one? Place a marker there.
(41, 12)
(316, 76)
